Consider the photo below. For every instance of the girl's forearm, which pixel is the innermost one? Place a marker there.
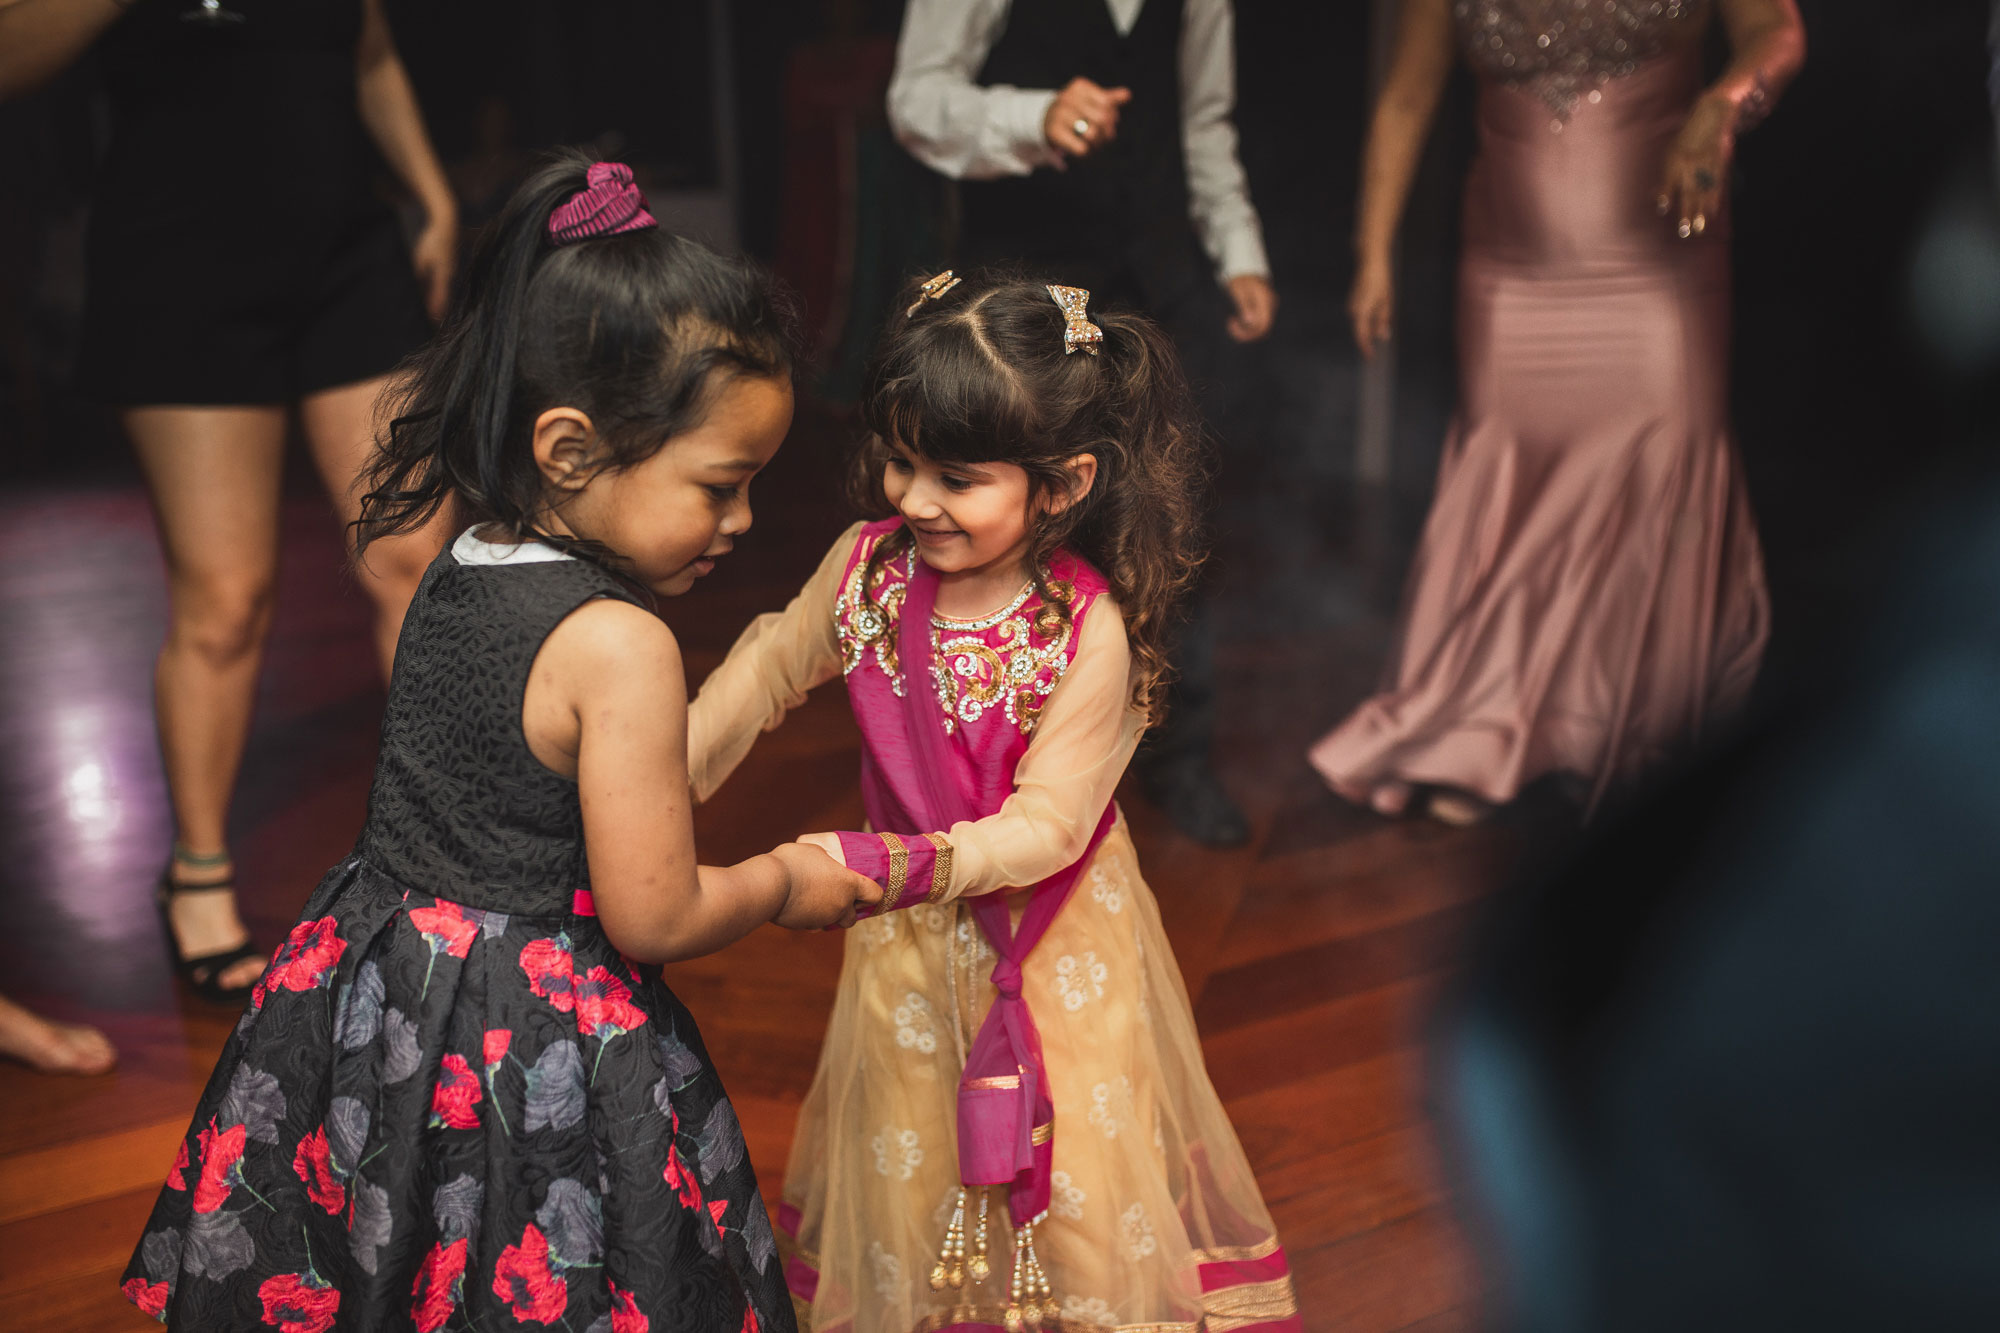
(39, 39)
(389, 109)
(728, 902)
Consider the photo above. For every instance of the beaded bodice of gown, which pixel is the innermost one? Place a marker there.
(1564, 49)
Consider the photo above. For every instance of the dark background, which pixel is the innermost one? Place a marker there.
(1842, 411)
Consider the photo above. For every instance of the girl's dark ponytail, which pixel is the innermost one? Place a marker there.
(629, 328)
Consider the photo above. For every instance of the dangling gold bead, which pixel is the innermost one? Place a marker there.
(937, 1276)
(1031, 1315)
(1015, 1321)
(956, 1277)
(979, 1268)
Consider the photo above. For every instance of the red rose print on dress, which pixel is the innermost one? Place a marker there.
(551, 971)
(523, 1280)
(625, 1314)
(446, 927)
(440, 1286)
(454, 1096)
(299, 1303)
(174, 1176)
(305, 960)
(221, 1166)
(148, 1296)
(750, 1319)
(313, 1163)
(682, 1179)
(604, 1007)
(495, 1046)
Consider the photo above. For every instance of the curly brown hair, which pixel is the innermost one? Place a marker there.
(982, 376)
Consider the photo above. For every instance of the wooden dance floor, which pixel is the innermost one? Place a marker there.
(1313, 955)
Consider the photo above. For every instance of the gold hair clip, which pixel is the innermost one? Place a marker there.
(1078, 331)
(932, 289)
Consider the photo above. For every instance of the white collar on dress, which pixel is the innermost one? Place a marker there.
(471, 550)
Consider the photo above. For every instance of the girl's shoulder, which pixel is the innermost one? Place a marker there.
(862, 539)
(1078, 575)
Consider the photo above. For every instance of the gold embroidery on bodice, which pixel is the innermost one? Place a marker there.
(1015, 670)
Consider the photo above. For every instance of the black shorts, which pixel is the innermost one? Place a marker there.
(182, 312)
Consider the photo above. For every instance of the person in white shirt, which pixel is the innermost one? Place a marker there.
(1092, 141)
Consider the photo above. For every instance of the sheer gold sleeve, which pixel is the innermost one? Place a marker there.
(1085, 738)
(781, 656)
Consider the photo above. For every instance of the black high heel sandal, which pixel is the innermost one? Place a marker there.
(204, 971)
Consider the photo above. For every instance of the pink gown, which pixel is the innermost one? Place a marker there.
(1152, 1221)
(1589, 591)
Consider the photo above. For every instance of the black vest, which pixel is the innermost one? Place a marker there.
(1116, 220)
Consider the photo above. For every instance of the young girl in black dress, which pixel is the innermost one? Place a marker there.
(462, 1096)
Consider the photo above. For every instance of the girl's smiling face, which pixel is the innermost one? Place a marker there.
(966, 518)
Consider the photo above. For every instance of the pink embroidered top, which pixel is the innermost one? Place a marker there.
(1037, 712)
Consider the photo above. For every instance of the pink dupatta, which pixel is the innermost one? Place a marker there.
(1006, 1118)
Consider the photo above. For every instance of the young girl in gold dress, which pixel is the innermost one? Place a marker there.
(1011, 1125)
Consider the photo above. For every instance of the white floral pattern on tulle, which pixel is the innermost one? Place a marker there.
(972, 941)
(1137, 1231)
(915, 1029)
(1090, 1311)
(1066, 1199)
(1080, 982)
(898, 1153)
(876, 932)
(1107, 892)
(1110, 1107)
(888, 1273)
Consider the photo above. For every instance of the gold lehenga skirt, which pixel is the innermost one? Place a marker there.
(1155, 1221)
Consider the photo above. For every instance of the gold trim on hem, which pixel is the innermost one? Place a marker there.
(1251, 1302)
(1241, 1254)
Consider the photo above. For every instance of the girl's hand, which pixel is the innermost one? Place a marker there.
(823, 893)
(435, 257)
(1371, 304)
(826, 842)
(1697, 163)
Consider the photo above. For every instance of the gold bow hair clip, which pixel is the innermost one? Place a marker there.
(1078, 332)
(932, 289)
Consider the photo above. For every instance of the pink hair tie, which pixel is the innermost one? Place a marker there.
(609, 206)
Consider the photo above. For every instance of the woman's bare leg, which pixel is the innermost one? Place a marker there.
(214, 476)
(340, 427)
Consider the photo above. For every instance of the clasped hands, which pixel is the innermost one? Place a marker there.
(824, 894)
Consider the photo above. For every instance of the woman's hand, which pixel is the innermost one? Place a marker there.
(824, 893)
(1697, 164)
(435, 258)
(1371, 304)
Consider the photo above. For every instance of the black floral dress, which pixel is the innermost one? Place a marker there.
(451, 1104)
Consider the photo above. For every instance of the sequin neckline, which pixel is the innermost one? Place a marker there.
(989, 620)
(1565, 49)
